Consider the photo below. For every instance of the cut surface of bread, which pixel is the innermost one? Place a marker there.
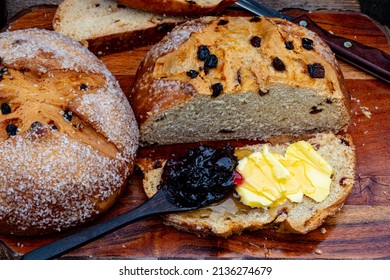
(68, 136)
(259, 77)
(104, 26)
(179, 7)
(230, 216)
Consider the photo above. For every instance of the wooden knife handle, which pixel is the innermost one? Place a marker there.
(369, 59)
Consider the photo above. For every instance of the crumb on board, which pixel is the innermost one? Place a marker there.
(318, 251)
(323, 230)
(365, 110)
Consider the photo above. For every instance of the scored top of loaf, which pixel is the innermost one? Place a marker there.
(52, 51)
(253, 55)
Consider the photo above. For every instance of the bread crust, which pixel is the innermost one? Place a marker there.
(114, 43)
(58, 173)
(166, 94)
(178, 7)
(226, 218)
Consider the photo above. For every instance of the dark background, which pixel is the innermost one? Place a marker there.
(377, 9)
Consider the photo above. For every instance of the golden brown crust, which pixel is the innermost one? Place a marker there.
(150, 96)
(76, 135)
(179, 7)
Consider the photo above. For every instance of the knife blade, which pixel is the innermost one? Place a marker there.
(366, 58)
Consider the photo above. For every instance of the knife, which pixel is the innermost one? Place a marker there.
(368, 59)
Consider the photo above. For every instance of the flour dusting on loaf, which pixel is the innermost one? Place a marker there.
(48, 184)
(68, 136)
(258, 77)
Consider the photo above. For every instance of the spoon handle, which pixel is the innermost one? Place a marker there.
(158, 204)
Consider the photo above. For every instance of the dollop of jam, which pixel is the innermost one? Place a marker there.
(203, 176)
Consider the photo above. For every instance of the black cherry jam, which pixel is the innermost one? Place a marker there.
(202, 176)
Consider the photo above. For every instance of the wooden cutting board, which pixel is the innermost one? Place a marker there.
(360, 231)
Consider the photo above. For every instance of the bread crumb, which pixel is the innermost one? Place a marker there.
(318, 251)
(323, 230)
(366, 112)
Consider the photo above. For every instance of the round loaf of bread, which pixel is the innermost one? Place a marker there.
(218, 78)
(68, 136)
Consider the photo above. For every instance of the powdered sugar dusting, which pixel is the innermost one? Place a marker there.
(162, 85)
(175, 38)
(54, 182)
(114, 118)
(301, 32)
(59, 52)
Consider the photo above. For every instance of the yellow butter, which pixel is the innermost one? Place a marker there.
(271, 178)
(278, 170)
(259, 177)
(305, 152)
(250, 198)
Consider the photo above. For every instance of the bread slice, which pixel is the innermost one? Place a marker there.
(232, 217)
(272, 77)
(179, 7)
(104, 26)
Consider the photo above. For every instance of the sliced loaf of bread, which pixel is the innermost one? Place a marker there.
(104, 26)
(179, 7)
(217, 78)
(232, 217)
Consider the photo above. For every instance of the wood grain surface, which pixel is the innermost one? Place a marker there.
(360, 231)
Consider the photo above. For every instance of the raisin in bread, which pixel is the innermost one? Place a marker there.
(232, 217)
(218, 78)
(179, 7)
(68, 136)
(104, 26)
